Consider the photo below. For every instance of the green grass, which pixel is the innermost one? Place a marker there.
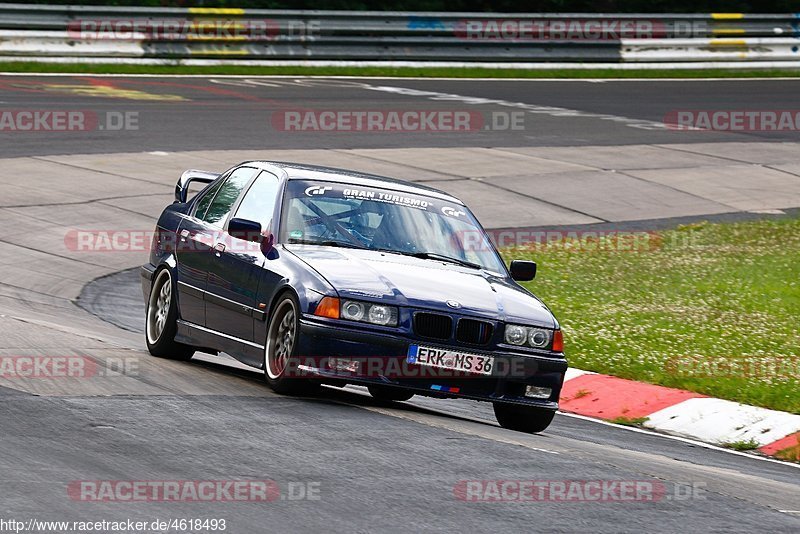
(449, 72)
(712, 308)
(742, 445)
(628, 421)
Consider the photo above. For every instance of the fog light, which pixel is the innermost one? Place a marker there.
(536, 392)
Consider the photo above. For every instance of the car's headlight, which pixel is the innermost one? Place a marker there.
(352, 310)
(530, 336)
(366, 312)
(516, 335)
(382, 315)
(538, 337)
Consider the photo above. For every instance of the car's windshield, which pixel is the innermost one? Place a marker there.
(338, 214)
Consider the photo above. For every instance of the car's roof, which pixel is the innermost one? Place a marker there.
(301, 171)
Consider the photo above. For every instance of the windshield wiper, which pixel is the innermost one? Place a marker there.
(432, 256)
(442, 257)
(328, 243)
(421, 255)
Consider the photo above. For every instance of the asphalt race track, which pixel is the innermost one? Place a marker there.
(586, 153)
(176, 114)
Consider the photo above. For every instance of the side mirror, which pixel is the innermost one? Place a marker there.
(267, 242)
(182, 187)
(523, 271)
(251, 231)
(245, 229)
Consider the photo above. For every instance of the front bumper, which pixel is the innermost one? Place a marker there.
(380, 358)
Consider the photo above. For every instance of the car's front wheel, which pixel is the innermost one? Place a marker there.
(522, 418)
(280, 354)
(387, 393)
(162, 320)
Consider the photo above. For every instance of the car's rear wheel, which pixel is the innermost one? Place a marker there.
(522, 418)
(280, 353)
(162, 320)
(386, 393)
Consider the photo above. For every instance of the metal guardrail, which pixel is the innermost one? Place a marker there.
(94, 32)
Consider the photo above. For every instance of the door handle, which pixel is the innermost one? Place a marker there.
(219, 248)
(184, 234)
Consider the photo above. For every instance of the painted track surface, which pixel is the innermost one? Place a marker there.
(380, 467)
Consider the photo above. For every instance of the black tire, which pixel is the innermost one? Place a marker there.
(280, 349)
(388, 393)
(161, 320)
(528, 419)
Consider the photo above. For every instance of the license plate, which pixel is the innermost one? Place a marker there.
(450, 359)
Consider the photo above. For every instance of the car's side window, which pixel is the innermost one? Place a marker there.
(259, 201)
(202, 205)
(219, 208)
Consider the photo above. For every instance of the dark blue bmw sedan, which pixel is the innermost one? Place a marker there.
(325, 276)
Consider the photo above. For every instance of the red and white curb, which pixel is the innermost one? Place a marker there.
(681, 413)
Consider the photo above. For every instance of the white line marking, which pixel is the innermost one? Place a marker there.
(605, 423)
(681, 439)
(552, 111)
(450, 97)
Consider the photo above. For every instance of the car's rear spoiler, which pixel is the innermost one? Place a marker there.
(182, 187)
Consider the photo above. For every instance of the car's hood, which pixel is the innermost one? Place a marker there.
(419, 283)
